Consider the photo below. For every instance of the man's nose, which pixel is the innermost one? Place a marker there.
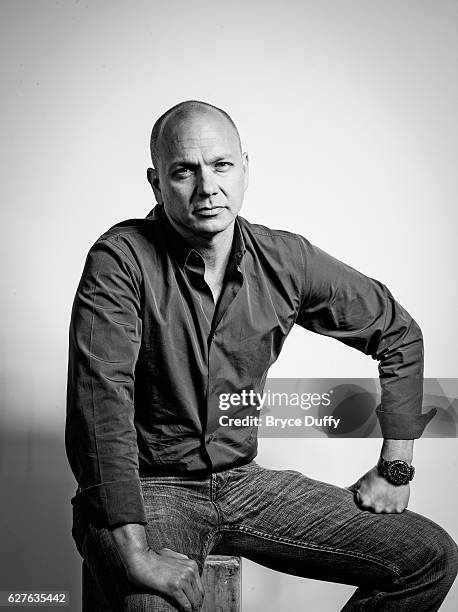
(206, 185)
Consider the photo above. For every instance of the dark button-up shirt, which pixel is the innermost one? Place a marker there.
(150, 352)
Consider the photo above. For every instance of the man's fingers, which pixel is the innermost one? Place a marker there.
(183, 601)
(190, 588)
(364, 502)
(193, 596)
(189, 581)
(193, 577)
(354, 487)
(377, 504)
(172, 553)
(197, 583)
(198, 588)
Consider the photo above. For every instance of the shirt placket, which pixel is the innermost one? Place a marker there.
(213, 315)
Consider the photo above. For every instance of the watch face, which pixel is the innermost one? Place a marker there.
(399, 472)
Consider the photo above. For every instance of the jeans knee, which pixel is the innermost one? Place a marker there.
(450, 557)
(443, 554)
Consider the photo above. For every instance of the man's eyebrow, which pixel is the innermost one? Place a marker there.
(218, 158)
(182, 162)
(192, 164)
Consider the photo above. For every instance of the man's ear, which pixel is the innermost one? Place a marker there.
(245, 170)
(153, 179)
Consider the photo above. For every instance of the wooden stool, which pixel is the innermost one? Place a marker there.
(221, 579)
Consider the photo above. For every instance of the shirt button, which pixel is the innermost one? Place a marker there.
(208, 438)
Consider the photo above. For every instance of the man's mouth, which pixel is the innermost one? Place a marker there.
(208, 211)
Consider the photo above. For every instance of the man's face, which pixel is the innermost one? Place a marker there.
(202, 174)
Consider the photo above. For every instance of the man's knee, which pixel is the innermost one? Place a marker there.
(438, 554)
(446, 556)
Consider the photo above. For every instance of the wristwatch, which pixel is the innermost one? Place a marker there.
(397, 472)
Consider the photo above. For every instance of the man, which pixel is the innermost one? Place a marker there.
(195, 301)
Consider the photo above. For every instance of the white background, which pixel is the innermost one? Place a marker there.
(348, 112)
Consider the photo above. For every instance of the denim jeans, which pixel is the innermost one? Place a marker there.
(289, 522)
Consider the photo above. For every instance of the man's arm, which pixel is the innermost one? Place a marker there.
(100, 437)
(101, 440)
(340, 302)
(164, 571)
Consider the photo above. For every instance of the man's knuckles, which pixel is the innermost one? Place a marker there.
(168, 552)
(189, 572)
(193, 565)
(366, 500)
(380, 506)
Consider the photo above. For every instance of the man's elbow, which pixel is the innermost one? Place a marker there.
(415, 333)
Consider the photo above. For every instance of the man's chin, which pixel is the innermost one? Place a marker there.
(211, 227)
(212, 224)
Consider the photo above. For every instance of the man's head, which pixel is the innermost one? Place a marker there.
(200, 173)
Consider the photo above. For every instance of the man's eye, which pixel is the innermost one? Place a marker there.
(223, 165)
(182, 172)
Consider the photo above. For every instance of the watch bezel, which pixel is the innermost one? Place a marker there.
(390, 471)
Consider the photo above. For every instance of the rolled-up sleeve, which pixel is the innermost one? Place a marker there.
(340, 302)
(100, 436)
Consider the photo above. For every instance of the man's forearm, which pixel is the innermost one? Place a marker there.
(397, 449)
(130, 540)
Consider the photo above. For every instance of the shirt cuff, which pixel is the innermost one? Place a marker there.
(402, 426)
(112, 503)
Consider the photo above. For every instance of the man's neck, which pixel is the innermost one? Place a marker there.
(215, 249)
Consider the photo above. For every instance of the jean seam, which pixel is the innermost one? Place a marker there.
(212, 497)
(331, 549)
(209, 541)
(374, 601)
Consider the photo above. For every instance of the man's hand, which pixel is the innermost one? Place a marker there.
(170, 573)
(165, 571)
(374, 493)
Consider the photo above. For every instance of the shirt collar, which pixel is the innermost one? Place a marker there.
(181, 249)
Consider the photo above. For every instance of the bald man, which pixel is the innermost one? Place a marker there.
(195, 301)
